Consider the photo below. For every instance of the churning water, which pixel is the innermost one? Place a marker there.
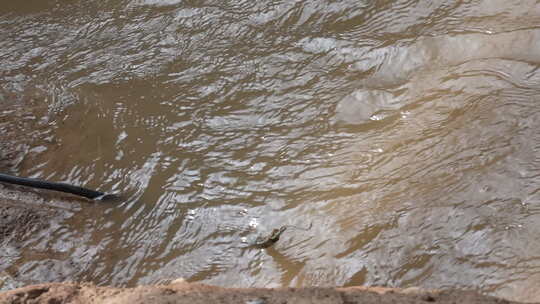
(406, 132)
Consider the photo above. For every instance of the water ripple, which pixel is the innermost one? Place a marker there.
(404, 131)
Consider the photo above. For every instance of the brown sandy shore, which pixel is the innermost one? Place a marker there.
(182, 292)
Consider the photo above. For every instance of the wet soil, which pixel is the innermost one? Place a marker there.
(17, 221)
(197, 293)
(24, 215)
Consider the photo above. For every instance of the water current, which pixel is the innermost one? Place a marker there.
(406, 132)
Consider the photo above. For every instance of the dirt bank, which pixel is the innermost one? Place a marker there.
(181, 292)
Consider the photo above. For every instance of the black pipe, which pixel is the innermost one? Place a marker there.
(62, 187)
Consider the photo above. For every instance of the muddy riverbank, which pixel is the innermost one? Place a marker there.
(198, 293)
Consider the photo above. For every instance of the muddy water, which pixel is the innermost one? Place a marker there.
(406, 132)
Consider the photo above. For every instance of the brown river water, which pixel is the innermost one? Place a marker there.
(405, 132)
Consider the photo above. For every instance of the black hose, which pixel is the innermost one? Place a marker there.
(62, 187)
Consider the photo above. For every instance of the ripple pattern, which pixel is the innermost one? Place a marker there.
(404, 131)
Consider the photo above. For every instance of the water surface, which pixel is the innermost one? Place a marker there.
(406, 132)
